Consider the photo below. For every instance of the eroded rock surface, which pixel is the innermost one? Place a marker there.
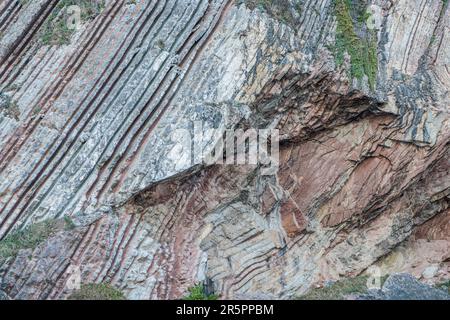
(92, 131)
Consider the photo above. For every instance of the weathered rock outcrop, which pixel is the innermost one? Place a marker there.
(405, 287)
(93, 125)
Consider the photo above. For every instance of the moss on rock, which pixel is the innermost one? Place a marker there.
(361, 49)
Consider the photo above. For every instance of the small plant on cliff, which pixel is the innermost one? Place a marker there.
(97, 291)
(28, 238)
(198, 293)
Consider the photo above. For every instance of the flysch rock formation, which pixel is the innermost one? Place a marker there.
(91, 130)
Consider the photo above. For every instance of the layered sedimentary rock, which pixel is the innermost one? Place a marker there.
(93, 131)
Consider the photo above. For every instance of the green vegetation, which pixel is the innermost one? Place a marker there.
(161, 45)
(28, 238)
(98, 291)
(198, 293)
(32, 236)
(70, 225)
(279, 9)
(340, 289)
(444, 286)
(352, 35)
(433, 39)
(361, 49)
(56, 31)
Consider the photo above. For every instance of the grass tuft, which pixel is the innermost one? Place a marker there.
(32, 236)
(340, 289)
(28, 238)
(198, 293)
(69, 224)
(96, 291)
(56, 31)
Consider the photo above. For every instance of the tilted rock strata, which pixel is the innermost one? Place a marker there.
(89, 131)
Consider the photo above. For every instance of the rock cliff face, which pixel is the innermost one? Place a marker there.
(97, 182)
